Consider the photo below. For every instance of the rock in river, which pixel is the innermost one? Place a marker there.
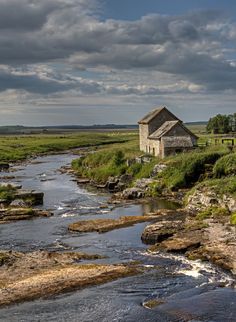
(160, 231)
(30, 276)
(104, 225)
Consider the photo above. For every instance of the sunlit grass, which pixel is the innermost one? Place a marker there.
(14, 148)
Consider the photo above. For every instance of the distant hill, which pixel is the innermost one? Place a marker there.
(196, 123)
(19, 129)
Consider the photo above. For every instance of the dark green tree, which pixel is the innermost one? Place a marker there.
(220, 124)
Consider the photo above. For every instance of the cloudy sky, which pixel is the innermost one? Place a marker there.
(111, 61)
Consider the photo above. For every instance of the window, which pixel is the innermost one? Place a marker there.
(153, 150)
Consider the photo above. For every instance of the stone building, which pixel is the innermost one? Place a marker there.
(161, 133)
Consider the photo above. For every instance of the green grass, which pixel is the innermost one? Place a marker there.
(233, 219)
(212, 212)
(15, 148)
(7, 193)
(221, 186)
(225, 166)
(111, 161)
(186, 169)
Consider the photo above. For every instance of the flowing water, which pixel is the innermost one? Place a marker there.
(191, 290)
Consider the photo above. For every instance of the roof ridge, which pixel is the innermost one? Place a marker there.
(149, 116)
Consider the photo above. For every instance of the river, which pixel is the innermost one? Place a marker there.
(191, 290)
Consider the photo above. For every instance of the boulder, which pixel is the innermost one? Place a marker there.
(82, 181)
(160, 231)
(181, 244)
(144, 183)
(31, 196)
(133, 193)
(4, 166)
(14, 214)
(18, 203)
(205, 198)
(126, 178)
(112, 183)
(158, 168)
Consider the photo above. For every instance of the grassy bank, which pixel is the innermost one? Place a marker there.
(184, 170)
(15, 148)
(112, 161)
(201, 166)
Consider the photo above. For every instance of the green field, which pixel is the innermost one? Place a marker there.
(20, 147)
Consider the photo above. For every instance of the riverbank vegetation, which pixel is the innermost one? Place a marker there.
(7, 193)
(113, 161)
(211, 167)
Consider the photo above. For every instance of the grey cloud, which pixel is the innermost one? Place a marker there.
(183, 30)
(66, 30)
(31, 82)
(25, 14)
(55, 29)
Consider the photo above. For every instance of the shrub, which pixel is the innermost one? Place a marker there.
(134, 169)
(185, 170)
(146, 170)
(119, 158)
(7, 193)
(219, 186)
(204, 214)
(212, 212)
(225, 166)
(233, 219)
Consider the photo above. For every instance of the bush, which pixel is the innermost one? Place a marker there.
(146, 170)
(204, 214)
(225, 166)
(233, 219)
(212, 212)
(220, 186)
(185, 170)
(119, 158)
(7, 193)
(134, 169)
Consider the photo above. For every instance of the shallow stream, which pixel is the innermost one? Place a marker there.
(191, 290)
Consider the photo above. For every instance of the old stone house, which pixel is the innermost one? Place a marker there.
(161, 133)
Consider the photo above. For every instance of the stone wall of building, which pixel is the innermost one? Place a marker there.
(143, 136)
(146, 129)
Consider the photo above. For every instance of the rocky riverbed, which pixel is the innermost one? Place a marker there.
(46, 259)
(212, 239)
(29, 276)
(183, 231)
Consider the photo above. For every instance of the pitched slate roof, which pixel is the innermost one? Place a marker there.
(165, 127)
(151, 115)
(177, 141)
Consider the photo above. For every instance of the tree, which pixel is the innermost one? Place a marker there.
(221, 124)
